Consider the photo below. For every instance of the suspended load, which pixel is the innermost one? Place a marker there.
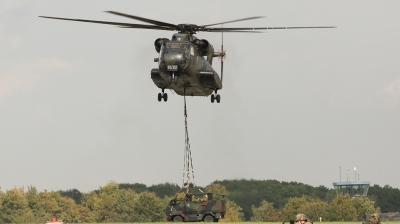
(189, 205)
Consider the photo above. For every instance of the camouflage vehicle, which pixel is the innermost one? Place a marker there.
(207, 207)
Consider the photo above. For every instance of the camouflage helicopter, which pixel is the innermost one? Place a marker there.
(182, 65)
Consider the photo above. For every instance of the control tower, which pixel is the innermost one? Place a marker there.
(354, 189)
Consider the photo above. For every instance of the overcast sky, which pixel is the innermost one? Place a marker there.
(78, 107)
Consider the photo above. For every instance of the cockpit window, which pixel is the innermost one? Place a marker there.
(181, 37)
(178, 45)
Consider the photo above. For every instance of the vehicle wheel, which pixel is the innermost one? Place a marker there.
(212, 98)
(159, 97)
(218, 97)
(208, 218)
(176, 80)
(177, 218)
(165, 97)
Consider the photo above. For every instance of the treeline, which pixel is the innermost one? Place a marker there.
(252, 192)
(254, 200)
(342, 208)
(247, 193)
(108, 204)
(387, 198)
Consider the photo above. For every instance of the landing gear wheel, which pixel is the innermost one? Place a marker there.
(208, 218)
(212, 98)
(177, 219)
(165, 97)
(176, 79)
(218, 98)
(170, 79)
(159, 97)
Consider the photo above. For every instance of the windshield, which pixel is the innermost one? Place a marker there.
(178, 45)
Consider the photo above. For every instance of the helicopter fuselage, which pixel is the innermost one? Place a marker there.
(181, 63)
(182, 66)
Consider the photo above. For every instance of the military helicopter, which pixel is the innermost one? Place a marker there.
(182, 65)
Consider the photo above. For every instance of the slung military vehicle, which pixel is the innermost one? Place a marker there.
(182, 65)
(208, 207)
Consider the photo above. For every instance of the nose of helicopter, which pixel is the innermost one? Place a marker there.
(176, 59)
(173, 57)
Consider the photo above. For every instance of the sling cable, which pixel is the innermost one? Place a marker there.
(187, 157)
(187, 181)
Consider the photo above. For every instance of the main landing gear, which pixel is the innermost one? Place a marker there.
(163, 96)
(216, 97)
(173, 78)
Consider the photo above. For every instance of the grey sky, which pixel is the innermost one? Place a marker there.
(78, 107)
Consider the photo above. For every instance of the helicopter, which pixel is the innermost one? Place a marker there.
(185, 62)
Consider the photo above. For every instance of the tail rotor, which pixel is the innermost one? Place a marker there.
(222, 56)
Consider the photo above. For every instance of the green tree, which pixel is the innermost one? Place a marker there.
(217, 188)
(315, 209)
(106, 212)
(108, 195)
(233, 213)
(125, 204)
(1, 203)
(166, 189)
(48, 204)
(14, 208)
(85, 215)
(342, 209)
(138, 188)
(109, 190)
(33, 198)
(45, 205)
(293, 207)
(75, 194)
(387, 198)
(251, 192)
(102, 204)
(148, 208)
(364, 206)
(93, 203)
(265, 212)
(330, 195)
(69, 209)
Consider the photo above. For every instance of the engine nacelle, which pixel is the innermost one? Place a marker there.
(205, 49)
(203, 46)
(158, 43)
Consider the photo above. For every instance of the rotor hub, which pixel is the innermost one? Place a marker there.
(187, 28)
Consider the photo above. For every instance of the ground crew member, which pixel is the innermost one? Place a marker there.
(374, 219)
(302, 219)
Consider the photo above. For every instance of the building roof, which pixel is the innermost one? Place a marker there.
(351, 183)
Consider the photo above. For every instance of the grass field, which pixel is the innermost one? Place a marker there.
(394, 222)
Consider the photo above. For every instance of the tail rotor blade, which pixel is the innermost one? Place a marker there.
(222, 57)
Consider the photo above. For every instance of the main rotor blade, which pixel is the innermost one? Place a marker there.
(260, 28)
(155, 22)
(237, 20)
(233, 31)
(127, 25)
